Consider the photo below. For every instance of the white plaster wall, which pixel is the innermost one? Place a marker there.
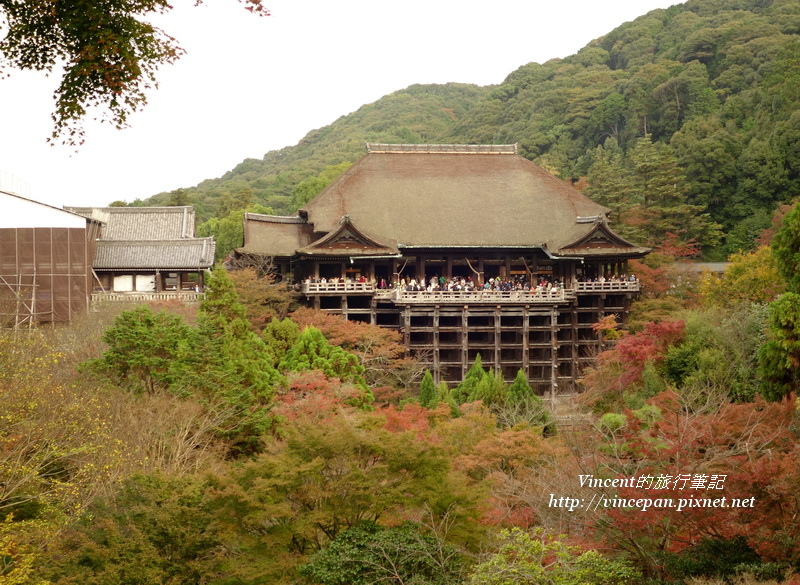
(123, 283)
(145, 283)
(16, 212)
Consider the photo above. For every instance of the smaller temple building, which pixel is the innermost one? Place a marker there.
(148, 250)
(464, 249)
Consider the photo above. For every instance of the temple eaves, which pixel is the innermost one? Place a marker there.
(373, 148)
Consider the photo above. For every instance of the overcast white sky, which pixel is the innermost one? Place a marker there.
(248, 85)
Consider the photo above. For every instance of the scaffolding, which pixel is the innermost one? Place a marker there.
(18, 304)
(44, 275)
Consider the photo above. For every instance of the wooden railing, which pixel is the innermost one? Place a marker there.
(145, 297)
(622, 285)
(315, 288)
(480, 296)
(476, 296)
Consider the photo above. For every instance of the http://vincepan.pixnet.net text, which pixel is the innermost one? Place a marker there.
(678, 492)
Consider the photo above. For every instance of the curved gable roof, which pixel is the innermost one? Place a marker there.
(452, 196)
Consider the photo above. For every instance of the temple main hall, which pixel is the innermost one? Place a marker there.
(463, 249)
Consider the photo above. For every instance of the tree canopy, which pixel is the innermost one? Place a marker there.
(107, 52)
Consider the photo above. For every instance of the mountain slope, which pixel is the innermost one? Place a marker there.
(716, 80)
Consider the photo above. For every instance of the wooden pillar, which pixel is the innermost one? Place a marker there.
(465, 363)
(448, 267)
(316, 269)
(526, 327)
(481, 279)
(553, 354)
(498, 311)
(574, 335)
(407, 326)
(436, 362)
(421, 268)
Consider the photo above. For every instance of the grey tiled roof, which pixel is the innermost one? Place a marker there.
(142, 223)
(193, 253)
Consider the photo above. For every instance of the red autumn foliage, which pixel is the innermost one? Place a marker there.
(650, 344)
(622, 366)
(654, 281)
(674, 247)
(312, 395)
(749, 451)
(413, 417)
(765, 239)
(379, 350)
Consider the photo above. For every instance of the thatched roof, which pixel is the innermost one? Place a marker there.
(423, 196)
(275, 235)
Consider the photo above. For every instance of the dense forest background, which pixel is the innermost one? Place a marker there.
(714, 82)
(247, 440)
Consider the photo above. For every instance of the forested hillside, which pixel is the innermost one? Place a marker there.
(717, 82)
(247, 440)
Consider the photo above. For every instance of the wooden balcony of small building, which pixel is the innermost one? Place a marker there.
(337, 287)
(610, 285)
(184, 296)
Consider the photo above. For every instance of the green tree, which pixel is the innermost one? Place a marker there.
(474, 376)
(280, 335)
(109, 53)
(611, 184)
(178, 197)
(786, 248)
(491, 389)
(143, 348)
(520, 388)
(661, 186)
(524, 559)
(155, 529)
(312, 351)
(231, 365)
(326, 476)
(370, 554)
(306, 190)
(427, 391)
(780, 355)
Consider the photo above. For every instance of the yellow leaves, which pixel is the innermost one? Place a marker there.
(751, 277)
(17, 559)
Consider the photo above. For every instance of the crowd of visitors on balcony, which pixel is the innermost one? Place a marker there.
(613, 278)
(436, 283)
(467, 284)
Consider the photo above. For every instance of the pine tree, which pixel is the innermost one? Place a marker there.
(427, 391)
(231, 364)
(312, 351)
(466, 388)
(491, 390)
(520, 388)
(662, 187)
(611, 184)
(280, 335)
